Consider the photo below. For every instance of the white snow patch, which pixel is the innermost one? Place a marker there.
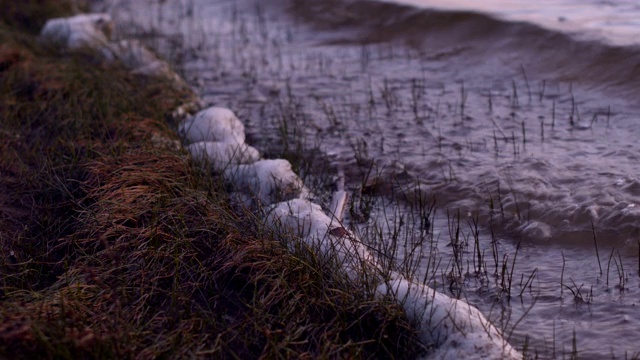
(81, 31)
(93, 31)
(221, 155)
(268, 181)
(322, 234)
(213, 124)
(456, 329)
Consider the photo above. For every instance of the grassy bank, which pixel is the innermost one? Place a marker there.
(114, 245)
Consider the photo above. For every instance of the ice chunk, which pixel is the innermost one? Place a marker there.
(81, 31)
(221, 155)
(338, 203)
(213, 124)
(457, 329)
(301, 218)
(268, 180)
(322, 234)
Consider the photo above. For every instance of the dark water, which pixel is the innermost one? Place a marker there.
(523, 120)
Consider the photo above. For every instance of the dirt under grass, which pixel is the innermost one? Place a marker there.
(114, 245)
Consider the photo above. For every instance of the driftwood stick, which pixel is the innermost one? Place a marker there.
(339, 200)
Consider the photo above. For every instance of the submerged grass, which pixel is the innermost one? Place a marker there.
(114, 245)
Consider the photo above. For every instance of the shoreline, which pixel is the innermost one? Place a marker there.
(106, 280)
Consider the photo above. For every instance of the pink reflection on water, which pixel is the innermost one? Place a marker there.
(617, 21)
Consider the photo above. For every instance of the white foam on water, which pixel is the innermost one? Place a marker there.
(615, 20)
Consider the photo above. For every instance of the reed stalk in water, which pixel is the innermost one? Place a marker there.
(595, 242)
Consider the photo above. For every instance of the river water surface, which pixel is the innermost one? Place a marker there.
(519, 116)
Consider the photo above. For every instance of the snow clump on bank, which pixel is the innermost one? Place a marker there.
(213, 124)
(91, 31)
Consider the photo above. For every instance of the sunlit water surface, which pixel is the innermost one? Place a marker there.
(615, 20)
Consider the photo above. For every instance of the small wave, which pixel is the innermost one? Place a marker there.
(549, 53)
